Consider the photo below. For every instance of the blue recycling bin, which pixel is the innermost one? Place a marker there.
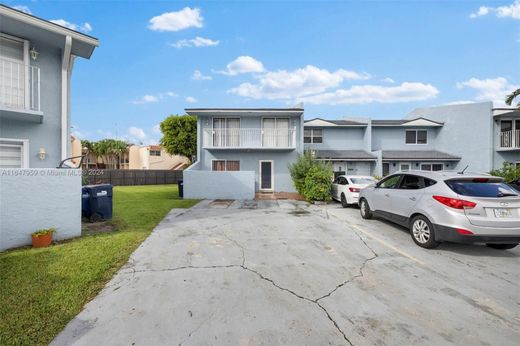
(99, 201)
(181, 189)
(85, 203)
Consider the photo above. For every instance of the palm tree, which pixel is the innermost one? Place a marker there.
(512, 96)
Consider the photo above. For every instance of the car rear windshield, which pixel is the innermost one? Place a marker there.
(362, 180)
(476, 188)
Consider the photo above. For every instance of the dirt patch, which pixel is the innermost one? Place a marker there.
(90, 228)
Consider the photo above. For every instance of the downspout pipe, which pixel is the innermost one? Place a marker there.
(65, 66)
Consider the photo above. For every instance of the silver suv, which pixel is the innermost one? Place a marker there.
(447, 206)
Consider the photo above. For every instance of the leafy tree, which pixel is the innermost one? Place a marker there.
(311, 178)
(508, 171)
(318, 183)
(512, 96)
(299, 170)
(180, 135)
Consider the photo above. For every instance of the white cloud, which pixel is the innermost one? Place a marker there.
(360, 94)
(388, 80)
(195, 42)
(508, 11)
(149, 98)
(146, 99)
(191, 99)
(490, 89)
(482, 11)
(157, 129)
(284, 84)
(197, 75)
(136, 132)
(85, 27)
(243, 64)
(176, 21)
(23, 8)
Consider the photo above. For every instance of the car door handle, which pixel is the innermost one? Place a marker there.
(413, 199)
(387, 195)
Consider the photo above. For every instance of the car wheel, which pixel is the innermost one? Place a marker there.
(502, 246)
(364, 208)
(422, 232)
(344, 203)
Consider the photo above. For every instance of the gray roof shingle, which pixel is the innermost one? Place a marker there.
(344, 154)
(418, 155)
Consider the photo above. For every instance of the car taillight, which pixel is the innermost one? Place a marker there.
(463, 231)
(354, 189)
(455, 203)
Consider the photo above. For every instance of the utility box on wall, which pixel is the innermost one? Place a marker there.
(33, 199)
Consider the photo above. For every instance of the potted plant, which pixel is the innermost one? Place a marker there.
(43, 237)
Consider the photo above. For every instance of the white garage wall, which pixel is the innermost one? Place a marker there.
(32, 199)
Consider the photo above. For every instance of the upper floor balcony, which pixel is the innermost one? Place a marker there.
(19, 88)
(510, 140)
(249, 138)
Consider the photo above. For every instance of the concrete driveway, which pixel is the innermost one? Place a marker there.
(289, 273)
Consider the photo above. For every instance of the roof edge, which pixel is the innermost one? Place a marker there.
(47, 25)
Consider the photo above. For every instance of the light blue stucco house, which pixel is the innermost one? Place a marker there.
(434, 138)
(244, 151)
(36, 62)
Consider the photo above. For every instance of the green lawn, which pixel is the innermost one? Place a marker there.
(43, 289)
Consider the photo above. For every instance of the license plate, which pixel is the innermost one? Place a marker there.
(503, 212)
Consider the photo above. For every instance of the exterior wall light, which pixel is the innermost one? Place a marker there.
(42, 153)
(34, 53)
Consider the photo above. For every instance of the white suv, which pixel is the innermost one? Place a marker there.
(447, 206)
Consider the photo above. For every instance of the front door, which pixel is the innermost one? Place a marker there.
(266, 176)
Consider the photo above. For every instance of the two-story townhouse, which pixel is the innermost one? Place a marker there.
(241, 151)
(344, 143)
(506, 132)
(409, 145)
(36, 62)
(447, 137)
(484, 137)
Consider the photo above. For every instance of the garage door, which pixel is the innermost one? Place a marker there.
(11, 156)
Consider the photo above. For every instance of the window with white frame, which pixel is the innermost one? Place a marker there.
(13, 153)
(226, 132)
(416, 137)
(155, 153)
(432, 167)
(225, 165)
(313, 136)
(275, 132)
(14, 72)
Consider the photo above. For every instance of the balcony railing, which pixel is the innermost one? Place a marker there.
(19, 86)
(254, 138)
(510, 139)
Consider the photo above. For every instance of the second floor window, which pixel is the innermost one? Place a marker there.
(155, 153)
(226, 132)
(416, 137)
(313, 136)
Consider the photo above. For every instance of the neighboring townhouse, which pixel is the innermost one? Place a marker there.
(344, 143)
(435, 138)
(154, 157)
(135, 157)
(241, 151)
(36, 62)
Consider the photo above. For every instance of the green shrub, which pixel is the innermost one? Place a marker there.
(318, 183)
(299, 170)
(508, 171)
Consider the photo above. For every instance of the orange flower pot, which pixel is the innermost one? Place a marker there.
(43, 240)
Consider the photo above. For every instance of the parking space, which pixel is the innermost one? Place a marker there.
(290, 273)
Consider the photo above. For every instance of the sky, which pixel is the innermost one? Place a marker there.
(342, 59)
